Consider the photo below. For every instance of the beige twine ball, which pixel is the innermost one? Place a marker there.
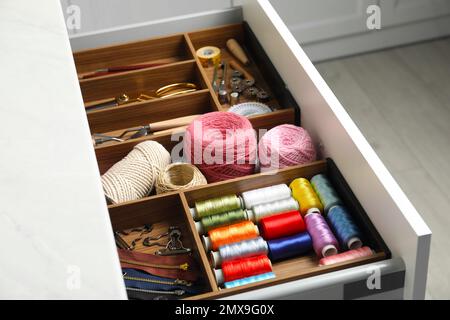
(134, 176)
(179, 176)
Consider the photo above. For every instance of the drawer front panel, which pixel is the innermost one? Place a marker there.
(396, 219)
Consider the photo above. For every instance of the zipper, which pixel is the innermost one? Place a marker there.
(183, 266)
(175, 282)
(177, 292)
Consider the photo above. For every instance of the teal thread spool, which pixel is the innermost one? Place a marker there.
(327, 195)
(217, 205)
(220, 220)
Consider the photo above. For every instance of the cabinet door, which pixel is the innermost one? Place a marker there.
(396, 12)
(311, 21)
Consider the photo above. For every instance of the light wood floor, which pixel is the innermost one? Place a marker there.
(400, 99)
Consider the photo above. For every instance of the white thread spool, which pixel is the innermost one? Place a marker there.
(243, 249)
(268, 209)
(264, 195)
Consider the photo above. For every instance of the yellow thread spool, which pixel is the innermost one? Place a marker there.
(303, 192)
(209, 56)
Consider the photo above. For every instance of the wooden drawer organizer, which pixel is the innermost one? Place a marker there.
(178, 51)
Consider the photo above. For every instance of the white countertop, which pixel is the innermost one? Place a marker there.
(56, 240)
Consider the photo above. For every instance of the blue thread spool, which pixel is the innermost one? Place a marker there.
(244, 281)
(291, 246)
(325, 191)
(345, 229)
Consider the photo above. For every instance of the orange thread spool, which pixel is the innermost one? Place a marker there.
(234, 233)
(303, 192)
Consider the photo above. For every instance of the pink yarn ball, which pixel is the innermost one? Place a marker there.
(284, 146)
(222, 145)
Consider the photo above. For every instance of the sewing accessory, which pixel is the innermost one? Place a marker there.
(237, 51)
(248, 109)
(303, 192)
(134, 176)
(345, 229)
(291, 246)
(327, 195)
(175, 89)
(249, 280)
(209, 56)
(234, 98)
(245, 74)
(258, 196)
(282, 225)
(236, 73)
(134, 133)
(284, 146)
(250, 93)
(118, 69)
(346, 256)
(226, 131)
(184, 266)
(120, 242)
(220, 220)
(262, 96)
(239, 250)
(174, 245)
(268, 209)
(216, 205)
(223, 96)
(179, 176)
(242, 268)
(234, 233)
(214, 84)
(324, 241)
(235, 81)
(247, 83)
(106, 103)
(237, 88)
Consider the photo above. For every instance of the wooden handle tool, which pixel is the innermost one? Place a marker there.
(235, 65)
(172, 123)
(237, 51)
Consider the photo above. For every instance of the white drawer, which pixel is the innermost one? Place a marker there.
(395, 218)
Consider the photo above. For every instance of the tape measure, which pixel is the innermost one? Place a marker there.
(209, 56)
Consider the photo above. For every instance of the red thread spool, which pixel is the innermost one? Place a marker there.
(282, 225)
(346, 256)
(229, 234)
(247, 267)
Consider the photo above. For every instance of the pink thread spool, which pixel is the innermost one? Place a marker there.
(222, 145)
(284, 146)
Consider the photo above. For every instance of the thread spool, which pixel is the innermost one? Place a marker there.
(234, 98)
(179, 176)
(217, 205)
(209, 56)
(327, 195)
(229, 234)
(282, 225)
(267, 194)
(345, 229)
(237, 51)
(248, 280)
(220, 220)
(324, 241)
(303, 192)
(242, 268)
(346, 256)
(287, 247)
(249, 109)
(222, 145)
(284, 146)
(134, 176)
(239, 250)
(267, 209)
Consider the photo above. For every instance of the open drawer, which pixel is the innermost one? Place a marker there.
(75, 201)
(336, 136)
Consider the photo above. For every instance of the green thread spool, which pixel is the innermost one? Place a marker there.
(327, 195)
(220, 220)
(217, 205)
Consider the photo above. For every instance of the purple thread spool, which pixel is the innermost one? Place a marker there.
(324, 241)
